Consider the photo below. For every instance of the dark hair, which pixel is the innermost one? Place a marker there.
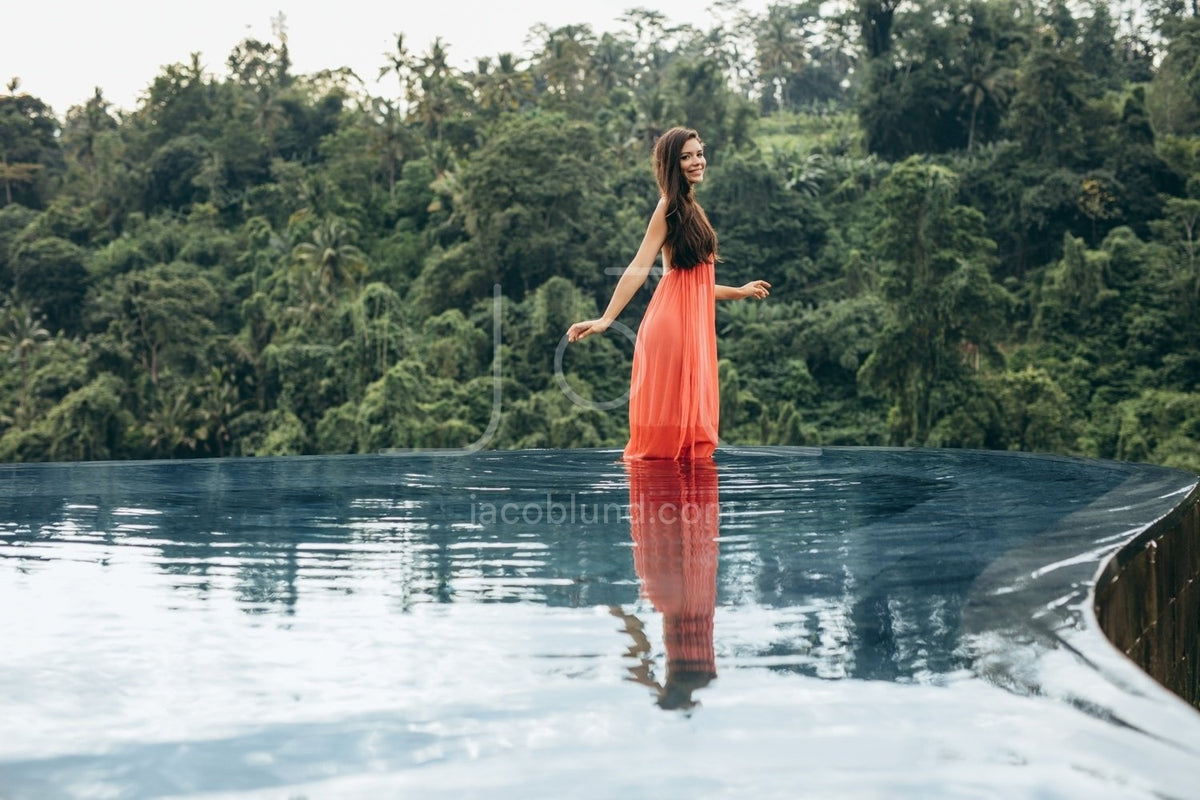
(691, 239)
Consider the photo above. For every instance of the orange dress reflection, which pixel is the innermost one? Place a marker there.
(674, 510)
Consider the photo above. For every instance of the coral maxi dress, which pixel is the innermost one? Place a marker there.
(674, 400)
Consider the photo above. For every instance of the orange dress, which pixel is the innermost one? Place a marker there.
(674, 397)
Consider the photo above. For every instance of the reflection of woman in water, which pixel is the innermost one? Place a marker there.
(674, 509)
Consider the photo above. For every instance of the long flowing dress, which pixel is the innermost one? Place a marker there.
(675, 522)
(674, 397)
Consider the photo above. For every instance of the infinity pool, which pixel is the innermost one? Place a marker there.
(789, 623)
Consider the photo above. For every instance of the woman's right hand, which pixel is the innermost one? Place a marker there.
(582, 330)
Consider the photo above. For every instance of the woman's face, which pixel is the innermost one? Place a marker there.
(691, 160)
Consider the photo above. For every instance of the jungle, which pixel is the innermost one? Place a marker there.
(981, 219)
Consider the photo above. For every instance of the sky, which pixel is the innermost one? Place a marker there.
(62, 50)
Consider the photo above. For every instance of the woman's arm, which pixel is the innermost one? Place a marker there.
(631, 280)
(756, 289)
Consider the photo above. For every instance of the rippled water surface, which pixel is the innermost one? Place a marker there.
(789, 623)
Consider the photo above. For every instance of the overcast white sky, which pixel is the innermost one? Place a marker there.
(61, 50)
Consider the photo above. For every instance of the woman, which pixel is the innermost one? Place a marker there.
(674, 405)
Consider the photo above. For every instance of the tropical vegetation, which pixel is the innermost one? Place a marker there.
(981, 220)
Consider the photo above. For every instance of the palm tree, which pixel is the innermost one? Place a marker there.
(650, 40)
(19, 172)
(308, 298)
(502, 85)
(758, 322)
(170, 428)
(780, 50)
(21, 336)
(388, 139)
(987, 83)
(83, 126)
(727, 41)
(219, 403)
(437, 89)
(330, 256)
(803, 173)
(565, 58)
(653, 113)
(400, 63)
(611, 66)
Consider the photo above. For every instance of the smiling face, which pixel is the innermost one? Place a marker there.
(691, 160)
(679, 162)
(679, 165)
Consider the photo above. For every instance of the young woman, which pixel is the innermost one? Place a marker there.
(674, 405)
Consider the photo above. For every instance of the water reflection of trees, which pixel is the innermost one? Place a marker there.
(826, 568)
(265, 534)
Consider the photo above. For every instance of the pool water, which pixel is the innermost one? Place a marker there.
(790, 622)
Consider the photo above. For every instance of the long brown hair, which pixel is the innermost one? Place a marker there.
(691, 239)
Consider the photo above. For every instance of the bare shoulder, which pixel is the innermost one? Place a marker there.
(660, 212)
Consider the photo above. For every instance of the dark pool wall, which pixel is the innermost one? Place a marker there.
(1148, 600)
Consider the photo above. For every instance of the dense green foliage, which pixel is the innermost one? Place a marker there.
(980, 219)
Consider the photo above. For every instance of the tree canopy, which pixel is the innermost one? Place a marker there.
(980, 216)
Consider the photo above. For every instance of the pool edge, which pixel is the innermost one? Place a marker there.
(1146, 599)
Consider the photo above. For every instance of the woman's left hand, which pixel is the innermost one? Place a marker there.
(756, 289)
